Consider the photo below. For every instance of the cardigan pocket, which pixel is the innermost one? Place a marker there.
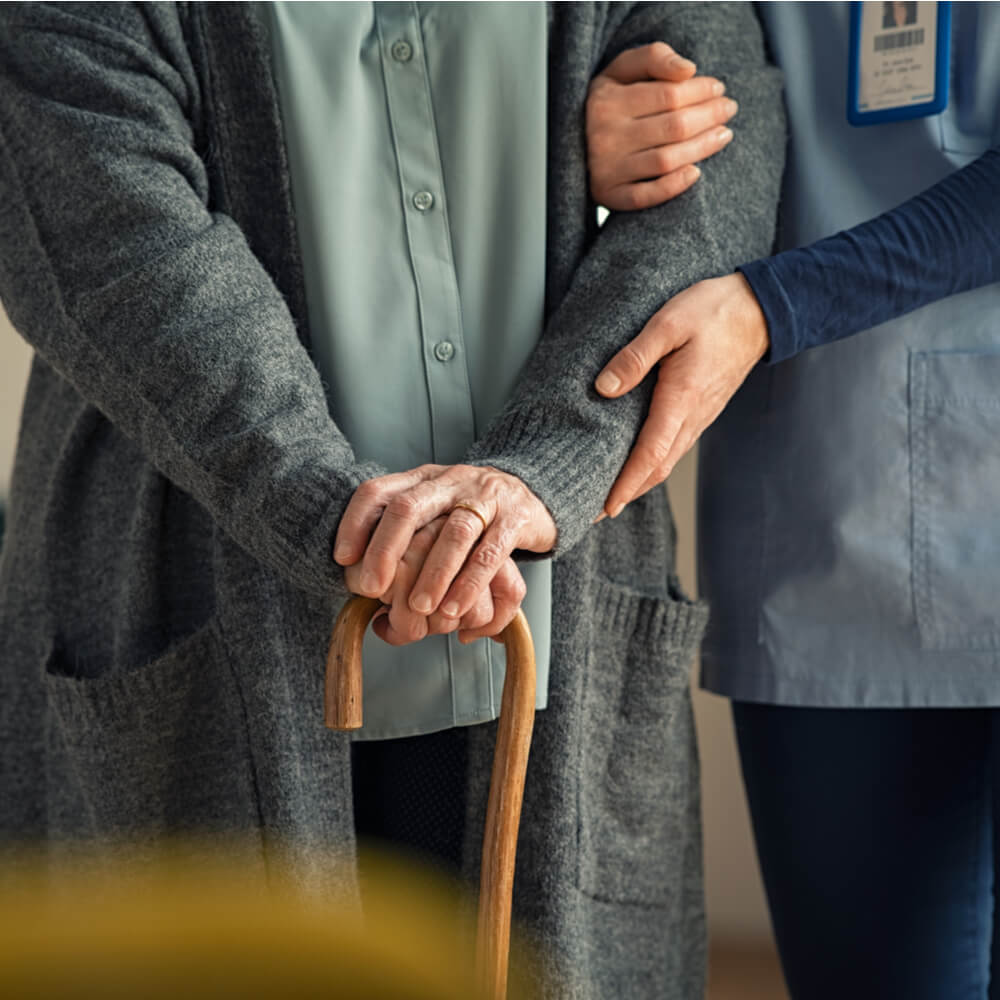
(639, 824)
(955, 470)
(159, 749)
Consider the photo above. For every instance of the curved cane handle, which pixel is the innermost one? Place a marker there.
(342, 697)
(510, 765)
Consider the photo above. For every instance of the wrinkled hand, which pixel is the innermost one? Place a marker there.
(706, 340)
(397, 624)
(462, 557)
(649, 120)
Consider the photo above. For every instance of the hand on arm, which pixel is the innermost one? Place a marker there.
(649, 120)
(556, 433)
(442, 566)
(706, 340)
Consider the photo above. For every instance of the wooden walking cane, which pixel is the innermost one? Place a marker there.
(510, 764)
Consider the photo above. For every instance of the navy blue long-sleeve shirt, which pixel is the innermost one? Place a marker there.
(941, 242)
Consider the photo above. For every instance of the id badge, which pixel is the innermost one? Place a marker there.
(898, 64)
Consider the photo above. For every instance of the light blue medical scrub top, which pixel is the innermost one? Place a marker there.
(849, 517)
(416, 135)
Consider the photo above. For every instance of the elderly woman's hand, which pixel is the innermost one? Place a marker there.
(398, 624)
(487, 515)
(649, 121)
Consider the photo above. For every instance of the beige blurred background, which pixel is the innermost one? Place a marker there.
(738, 920)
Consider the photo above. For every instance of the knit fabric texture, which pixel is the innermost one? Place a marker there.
(166, 585)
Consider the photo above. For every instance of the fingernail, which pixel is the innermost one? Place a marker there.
(369, 582)
(616, 510)
(718, 88)
(679, 62)
(725, 134)
(608, 382)
(421, 603)
(600, 517)
(732, 107)
(450, 610)
(694, 173)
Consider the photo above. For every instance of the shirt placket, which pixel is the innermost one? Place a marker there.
(425, 210)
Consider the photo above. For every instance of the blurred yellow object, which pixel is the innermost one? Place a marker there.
(180, 928)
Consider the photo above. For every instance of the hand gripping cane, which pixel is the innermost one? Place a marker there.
(510, 764)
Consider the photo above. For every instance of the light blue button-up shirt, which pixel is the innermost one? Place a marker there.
(417, 143)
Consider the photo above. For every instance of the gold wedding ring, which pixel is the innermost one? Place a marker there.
(472, 508)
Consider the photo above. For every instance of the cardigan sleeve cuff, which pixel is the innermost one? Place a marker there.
(564, 479)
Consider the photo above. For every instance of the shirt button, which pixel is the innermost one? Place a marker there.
(444, 350)
(423, 200)
(401, 51)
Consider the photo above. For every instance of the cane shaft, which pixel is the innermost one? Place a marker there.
(343, 703)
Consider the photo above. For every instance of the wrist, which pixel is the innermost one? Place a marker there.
(753, 322)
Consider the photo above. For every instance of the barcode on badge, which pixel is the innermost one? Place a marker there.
(900, 40)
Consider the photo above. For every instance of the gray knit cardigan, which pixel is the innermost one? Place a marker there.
(166, 586)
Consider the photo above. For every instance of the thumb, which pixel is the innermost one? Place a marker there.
(657, 61)
(637, 358)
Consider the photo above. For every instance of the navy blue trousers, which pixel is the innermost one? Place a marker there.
(876, 831)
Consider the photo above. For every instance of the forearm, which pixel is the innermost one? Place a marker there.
(942, 242)
(151, 306)
(563, 440)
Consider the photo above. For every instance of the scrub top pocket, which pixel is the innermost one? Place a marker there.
(955, 469)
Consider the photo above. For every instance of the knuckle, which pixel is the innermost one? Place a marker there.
(672, 127)
(665, 159)
(369, 490)
(669, 98)
(495, 482)
(481, 614)
(488, 555)
(404, 506)
(654, 452)
(659, 51)
(378, 554)
(666, 326)
(630, 362)
(443, 626)
(464, 529)
(437, 578)
(406, 626)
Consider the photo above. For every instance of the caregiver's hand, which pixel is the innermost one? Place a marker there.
(398, 624)
(488, 514)
(649, 120)
(706, 340)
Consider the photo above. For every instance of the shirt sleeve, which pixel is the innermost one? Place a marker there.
(941, 242)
